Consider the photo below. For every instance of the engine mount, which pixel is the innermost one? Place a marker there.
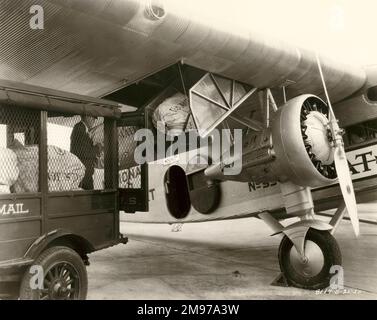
(297, 147)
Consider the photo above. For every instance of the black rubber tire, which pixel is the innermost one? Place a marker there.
(47, 259)
(331, 253)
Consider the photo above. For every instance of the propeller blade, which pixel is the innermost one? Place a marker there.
(346, 186)
(341, 163)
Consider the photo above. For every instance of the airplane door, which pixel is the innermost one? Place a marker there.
(133, 177)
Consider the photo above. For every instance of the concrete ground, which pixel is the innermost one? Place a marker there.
(235, 259)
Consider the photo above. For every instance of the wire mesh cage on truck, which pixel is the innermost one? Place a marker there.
(58, 188)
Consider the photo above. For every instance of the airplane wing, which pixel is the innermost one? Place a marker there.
(96, 47)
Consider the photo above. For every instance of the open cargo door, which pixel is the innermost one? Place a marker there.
(214, 98)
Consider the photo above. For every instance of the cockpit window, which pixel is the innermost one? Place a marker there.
(372, 94)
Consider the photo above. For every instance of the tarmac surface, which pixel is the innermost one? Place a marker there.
(234, 259)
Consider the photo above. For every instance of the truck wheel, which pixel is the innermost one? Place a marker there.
(64, 277)
(321, 253)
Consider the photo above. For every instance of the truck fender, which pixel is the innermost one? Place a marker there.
(45, 240)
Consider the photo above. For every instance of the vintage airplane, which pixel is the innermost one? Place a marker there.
(284, 99)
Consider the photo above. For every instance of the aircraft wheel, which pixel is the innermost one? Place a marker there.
(321, 253)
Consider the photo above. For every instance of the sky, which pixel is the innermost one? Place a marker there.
(343, 29)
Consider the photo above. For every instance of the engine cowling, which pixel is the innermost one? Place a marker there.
(302, 141)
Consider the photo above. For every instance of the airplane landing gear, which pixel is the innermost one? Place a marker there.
(313, 270)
